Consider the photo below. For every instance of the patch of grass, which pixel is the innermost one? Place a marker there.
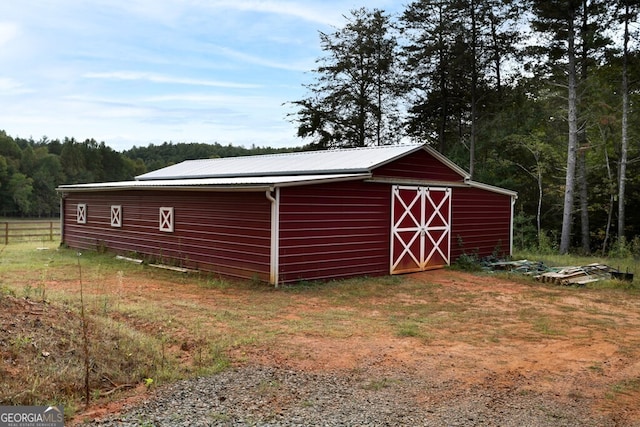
(408, 329)
(597, 368)
(376, 385)
(627, 386)
(214, 283)
(212, 358)
(496, 335)
(346, 288)
(413, 328)
(130, 339)
(50, 357)
(546, 326)
(5, 290)
(568, 308)
(615, 284)
(541, 323)
(20, 342)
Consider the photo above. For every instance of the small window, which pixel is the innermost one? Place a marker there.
(81, 213)
(166, 220)
(116, 216)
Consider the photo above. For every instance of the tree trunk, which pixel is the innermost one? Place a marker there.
(496, 56)
(539, 209)
(583, 143)
(378, 86)
(443, 84)
(474, 90)
(622, 172)
(584, 198)
(607, 229)
(567, 213)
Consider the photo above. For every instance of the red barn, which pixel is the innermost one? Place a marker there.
(299, 216)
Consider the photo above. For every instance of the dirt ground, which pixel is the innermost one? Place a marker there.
(594, 360)
(600, 367)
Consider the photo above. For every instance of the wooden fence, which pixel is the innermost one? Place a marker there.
(29, 230)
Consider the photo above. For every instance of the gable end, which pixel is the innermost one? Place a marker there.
(421, 165)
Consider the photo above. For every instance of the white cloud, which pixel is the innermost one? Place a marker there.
(159, 78)
(214, 100)
(173, 12)
(310, 13)
(324, 12)
(301, 65)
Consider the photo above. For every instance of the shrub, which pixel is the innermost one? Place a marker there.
(468, 262)
(547, 244)
(620, 249)
(524, 231)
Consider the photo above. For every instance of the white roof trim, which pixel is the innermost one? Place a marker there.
(492, 188)
(418, 182)
(452, 184)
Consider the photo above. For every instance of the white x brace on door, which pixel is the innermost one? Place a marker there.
(420, 228)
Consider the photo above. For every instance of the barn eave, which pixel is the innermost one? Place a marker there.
(437, 183)
(215, 184)
(492, 188)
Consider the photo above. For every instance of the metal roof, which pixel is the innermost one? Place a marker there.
(226, 183)
(265, 172)
(356, 160)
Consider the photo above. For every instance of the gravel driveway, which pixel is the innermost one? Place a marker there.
(267, 396)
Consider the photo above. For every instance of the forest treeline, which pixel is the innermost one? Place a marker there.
(537, 96)
(30, 171)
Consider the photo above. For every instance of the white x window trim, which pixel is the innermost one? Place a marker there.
(166, 220)
(81, 213)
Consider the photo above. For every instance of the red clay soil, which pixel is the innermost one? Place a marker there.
(596, 361)
(599, 366)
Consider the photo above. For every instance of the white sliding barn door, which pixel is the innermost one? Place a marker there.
(420, 228)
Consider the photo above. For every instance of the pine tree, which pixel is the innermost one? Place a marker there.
(558, 20)
(353, 102)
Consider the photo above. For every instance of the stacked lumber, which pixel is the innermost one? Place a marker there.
(577, 275)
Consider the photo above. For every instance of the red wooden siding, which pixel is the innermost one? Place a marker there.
(222, 232)
(326, 230)
(419, 165)
(480, 222)
(334, 230)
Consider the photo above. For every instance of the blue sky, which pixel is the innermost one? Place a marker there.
(134, 72)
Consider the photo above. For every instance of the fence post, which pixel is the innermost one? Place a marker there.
(6, 233)
(51, 231)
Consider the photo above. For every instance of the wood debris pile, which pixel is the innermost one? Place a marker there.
(577, 275)
(567, 276)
